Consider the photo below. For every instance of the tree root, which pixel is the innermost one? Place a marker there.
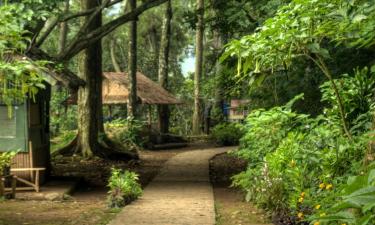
(106, 149)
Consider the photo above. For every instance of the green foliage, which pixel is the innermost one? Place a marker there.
(63, 139)
(299, 29)
(356, 203)
(126, 131)
(269, 126)
(63, 118)
(356, 92)
(227, 134)
(124, 188)
(19, 76)
(5, 159)
(298, 165)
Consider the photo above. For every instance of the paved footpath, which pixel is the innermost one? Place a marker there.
(181, 194)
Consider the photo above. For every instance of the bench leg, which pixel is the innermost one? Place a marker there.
(2, 189)
(37, 181)
(14, 183)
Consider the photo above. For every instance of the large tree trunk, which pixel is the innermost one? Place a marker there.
(198, 66)
(163, 110)
(132, 68)
(89, 97)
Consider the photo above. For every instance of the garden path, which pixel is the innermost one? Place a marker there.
(181, 194)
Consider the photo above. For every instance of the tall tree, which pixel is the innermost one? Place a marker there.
(89, 96)
(132, 68)
(163, 110)
(64, 29)
(112, 47)
(198, 66)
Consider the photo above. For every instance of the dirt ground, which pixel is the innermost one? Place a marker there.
(88, 205)
(231, 208)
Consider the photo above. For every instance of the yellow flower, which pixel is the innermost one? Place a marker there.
(300, 215)
(343, 224)
(303, 194)
(317, 223)
(293, 163)
(323, 214)
(300, 200)
(322, 186)
(317, 206)
(329, 186)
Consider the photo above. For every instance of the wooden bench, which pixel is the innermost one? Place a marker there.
(32, 185)
(3, 190)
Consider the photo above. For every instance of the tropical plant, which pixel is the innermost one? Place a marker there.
(123, 188)
(301, 28)
(355, 203)
(227, 134)
(357, 93)
(5, 160)
(126, 131)
(297, 163)
(19, 75)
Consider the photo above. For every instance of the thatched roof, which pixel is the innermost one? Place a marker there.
(49, 73)
(115, 91)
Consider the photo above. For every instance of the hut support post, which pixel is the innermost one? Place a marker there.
(110, 111)
(149, 116)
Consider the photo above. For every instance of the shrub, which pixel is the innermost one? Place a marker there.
(123, 188)
(227, 134)
(299, 165)
(5, 160)
(126, 131)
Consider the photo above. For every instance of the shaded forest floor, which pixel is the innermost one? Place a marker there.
(231, 208)
(88, 204)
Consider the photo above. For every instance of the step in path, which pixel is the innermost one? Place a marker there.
(181, 194)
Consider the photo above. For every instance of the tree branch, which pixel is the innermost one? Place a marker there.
(49, 28)
(88, 12)
(321, 64)
(83, 41)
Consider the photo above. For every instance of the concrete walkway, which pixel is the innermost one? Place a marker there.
(180, 195)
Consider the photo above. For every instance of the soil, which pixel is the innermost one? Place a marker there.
(88, 205)
(231, 208)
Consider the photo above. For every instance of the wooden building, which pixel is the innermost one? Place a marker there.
(238, 110)
(24, 126)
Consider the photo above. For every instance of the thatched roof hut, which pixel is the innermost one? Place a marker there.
(115, 91)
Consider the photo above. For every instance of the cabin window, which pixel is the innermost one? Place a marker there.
(13, 128)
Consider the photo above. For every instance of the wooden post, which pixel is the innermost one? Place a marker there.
(14, 183)
(110, 111)
(2, 188)
(150, 116)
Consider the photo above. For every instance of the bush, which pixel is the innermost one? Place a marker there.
(227, 134)
(5, 160)
(123, 188)
(126, 131)
(300, 165)
(62, 140)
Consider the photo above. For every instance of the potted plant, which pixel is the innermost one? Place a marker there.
(5, 162)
